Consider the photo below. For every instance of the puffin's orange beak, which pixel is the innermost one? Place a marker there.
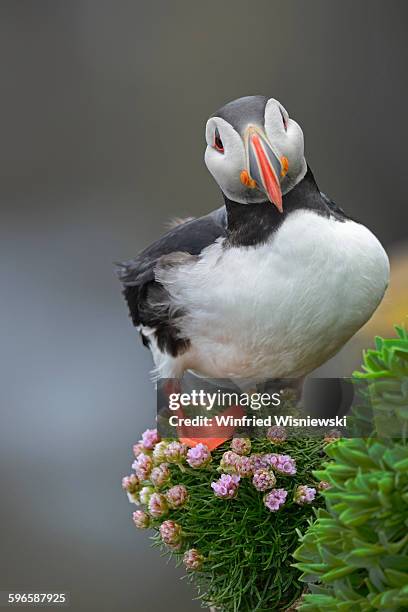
(265, 167)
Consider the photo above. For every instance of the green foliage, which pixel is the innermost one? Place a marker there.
(247, 549)
(388, 360)
(354, 556)
(357, 549)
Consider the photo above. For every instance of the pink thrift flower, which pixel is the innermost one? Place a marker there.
(227, 486)
(284, 464)
(332, 436)
(229, 461)
(160, 475)
(134, 497)
(175, 452)
(276, 434)
(141, 519)
(304, 495)
(150, 437)
(177, 496)
(198, 456)
(171, 533)
(192, 559)
(259, 461)
(130, 483)
(159, 452)
(241, 446)
(275, 499)
(244, 467)
(145, 494)
(157, 505)
(138, 448)
(264, 479)
(143, 466)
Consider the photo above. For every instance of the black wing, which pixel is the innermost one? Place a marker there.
(145, 297)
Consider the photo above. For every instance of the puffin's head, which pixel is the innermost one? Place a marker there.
(255, 150)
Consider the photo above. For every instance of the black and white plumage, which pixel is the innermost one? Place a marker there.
(271, 284)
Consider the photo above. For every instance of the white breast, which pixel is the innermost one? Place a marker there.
(282, 308)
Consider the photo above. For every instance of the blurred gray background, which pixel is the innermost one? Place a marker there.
(103, 107)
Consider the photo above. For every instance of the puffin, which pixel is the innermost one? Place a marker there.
(269, 285)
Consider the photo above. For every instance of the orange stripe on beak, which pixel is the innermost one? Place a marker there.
(269, 178)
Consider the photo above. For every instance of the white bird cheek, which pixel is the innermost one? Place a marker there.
(294, 147)
(295, 137)
(273, 121)
(226, 167)
(209, 131)
(210, 159)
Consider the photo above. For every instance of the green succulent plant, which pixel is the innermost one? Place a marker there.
(354, 555)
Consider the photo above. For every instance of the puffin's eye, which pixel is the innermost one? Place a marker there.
(218, 142)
